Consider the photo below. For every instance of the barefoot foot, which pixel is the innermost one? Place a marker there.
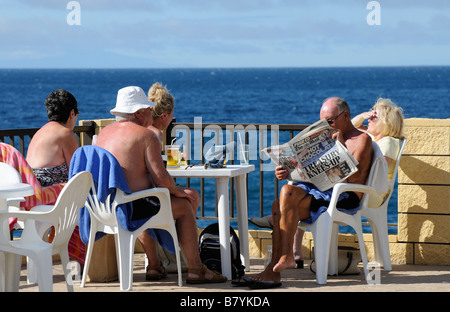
(284, 263)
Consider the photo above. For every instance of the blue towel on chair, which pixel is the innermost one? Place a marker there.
(108, 176)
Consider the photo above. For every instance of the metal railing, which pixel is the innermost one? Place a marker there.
(20, 138)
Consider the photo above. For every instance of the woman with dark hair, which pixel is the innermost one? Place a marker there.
(52, 147)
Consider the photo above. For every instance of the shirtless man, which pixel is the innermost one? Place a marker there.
(295, 204)
(138, 151)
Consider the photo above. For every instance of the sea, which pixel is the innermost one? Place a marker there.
(233, 95)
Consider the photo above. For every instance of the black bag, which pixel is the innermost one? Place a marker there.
(209, 246)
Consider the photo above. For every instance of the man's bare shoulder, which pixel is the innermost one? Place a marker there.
(359, 144)
(129, 131)
(364, 138)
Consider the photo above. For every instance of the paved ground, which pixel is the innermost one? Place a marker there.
(403, 278)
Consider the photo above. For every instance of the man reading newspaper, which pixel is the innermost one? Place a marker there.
(313, 156)
(302, 200)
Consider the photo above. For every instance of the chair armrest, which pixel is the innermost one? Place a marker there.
(15, 201)
(352, 187)
(340, 188)
(39, 213)
(157, 191)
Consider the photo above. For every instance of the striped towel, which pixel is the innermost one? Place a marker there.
(42, 195)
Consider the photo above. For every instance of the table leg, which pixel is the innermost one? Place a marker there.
(224, 226)
(242, 214)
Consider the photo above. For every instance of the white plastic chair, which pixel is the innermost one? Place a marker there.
(325, 228)
(103, 218)
(63, 216)
(9, 176)
(377, 218)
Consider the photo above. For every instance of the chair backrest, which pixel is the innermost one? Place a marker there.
(108, 182)
(103, 211)
(378, 173)
(8, 175)
(72, 198)
(391, 183)
(394, 175)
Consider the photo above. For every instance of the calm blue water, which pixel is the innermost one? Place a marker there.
(266, 96)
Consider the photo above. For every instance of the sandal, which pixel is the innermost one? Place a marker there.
(160, 272)
(201, 278)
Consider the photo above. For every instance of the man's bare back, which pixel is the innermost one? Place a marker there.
(132, 145)
(359, 145)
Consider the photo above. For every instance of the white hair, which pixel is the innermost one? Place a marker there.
(124, 116)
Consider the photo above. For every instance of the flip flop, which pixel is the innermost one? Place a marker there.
(264, 284)
(242, 281)
(261, 222)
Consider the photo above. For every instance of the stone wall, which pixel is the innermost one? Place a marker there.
(424, 192)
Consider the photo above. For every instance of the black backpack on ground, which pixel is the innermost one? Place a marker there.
(209, 246)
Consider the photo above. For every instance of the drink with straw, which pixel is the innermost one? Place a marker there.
(244, 151)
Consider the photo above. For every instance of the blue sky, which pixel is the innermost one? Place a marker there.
(223, 33)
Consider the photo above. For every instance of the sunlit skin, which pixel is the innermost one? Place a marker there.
(53, 144)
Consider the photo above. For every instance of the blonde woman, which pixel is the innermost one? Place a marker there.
(385, 127)
(162, 114)
(163, 110)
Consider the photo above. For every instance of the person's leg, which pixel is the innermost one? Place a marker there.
(186, 226)
(196, 196)
(154, 270)
(294, 206)
(297, 249)
(145, 208)
(268, 274)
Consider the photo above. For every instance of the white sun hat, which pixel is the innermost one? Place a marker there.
(130, 100)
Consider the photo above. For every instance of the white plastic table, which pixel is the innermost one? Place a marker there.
(13, 191)
(222, 177)
(10, 191)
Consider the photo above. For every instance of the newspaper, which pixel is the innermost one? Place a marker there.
(312, 156)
